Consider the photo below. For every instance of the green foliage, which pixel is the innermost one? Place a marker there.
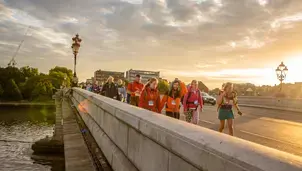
(29, 84)
(12, 91)
(126, 83)
(65, 70)
(28, 72)
(58, 79)
(42, 91)
(60, 76)
(11, 73)
(163, 86)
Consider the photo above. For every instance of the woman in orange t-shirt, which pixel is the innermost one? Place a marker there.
(182, 88)
(172, 101)
(150, 98)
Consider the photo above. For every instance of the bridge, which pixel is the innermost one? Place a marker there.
(103, 134)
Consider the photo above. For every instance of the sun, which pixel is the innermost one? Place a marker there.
(294, 65)
(267, 76)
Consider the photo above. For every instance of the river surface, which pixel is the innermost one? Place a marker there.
(20, 127)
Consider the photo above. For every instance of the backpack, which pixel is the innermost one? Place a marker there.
(189, 95)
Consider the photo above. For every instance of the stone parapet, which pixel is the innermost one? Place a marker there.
(136, 139)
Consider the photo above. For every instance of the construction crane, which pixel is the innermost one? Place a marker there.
(12, 62)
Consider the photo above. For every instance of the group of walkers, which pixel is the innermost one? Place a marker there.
(109, 89)
(148, 97)
(179, 95)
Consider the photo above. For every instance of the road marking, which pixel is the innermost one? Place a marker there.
(208, 122)
(281, 121)
(260, 117)
(263, 117)
(272, 139)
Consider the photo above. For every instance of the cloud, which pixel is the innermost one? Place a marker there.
(7, 44)
(201, 66)
(5, 12)
(173, 35)
(52, 37)
(70, 20)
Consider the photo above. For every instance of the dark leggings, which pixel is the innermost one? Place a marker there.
(173, 114)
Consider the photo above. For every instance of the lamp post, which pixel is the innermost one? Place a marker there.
(75, 48)
(281, 72)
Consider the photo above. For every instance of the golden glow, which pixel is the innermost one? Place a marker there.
(294, 65)
(83, 106)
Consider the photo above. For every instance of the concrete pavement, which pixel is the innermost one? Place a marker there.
(281, 130)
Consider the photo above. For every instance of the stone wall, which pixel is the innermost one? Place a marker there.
(282, 103)
(135, 139)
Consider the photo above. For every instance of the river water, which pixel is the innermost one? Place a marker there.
(20, 127)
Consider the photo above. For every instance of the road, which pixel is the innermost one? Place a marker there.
(281, 130)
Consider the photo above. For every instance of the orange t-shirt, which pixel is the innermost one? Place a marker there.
(172, 104)
(135, 88)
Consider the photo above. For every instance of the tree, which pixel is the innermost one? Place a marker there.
(241, 88)
(28, 86)
(11, 73)
(126, 83)
(163, 86)
(28, 72)
(60, 75)
(59, 78)
(27, 83)
(214, 91)
(65, 70)
(42, 91)
(12, 91)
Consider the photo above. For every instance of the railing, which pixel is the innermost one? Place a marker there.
(272, 102)
(135, 139)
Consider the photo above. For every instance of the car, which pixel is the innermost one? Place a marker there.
(208, 99)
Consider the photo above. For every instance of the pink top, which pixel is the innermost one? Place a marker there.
(194, 100)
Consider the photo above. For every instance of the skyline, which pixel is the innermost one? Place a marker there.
(209, 40)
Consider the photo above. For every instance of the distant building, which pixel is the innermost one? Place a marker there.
(249, 92)
(146, 75)
(102, 76)
(202, 87)
(90, 81)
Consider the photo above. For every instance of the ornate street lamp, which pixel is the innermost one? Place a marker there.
(281, 72)
(75, 48)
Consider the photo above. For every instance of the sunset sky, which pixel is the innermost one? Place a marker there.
(209, 40)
